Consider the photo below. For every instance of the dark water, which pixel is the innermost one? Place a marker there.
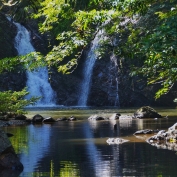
(79, 149)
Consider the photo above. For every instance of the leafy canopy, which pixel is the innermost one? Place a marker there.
(158, 46)
(74, 23)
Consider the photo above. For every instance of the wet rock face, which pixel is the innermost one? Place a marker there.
(8, 158)
(104, 87)
(66, 86)
(9, 80)
(7, 35)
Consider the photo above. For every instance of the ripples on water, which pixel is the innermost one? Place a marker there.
(79, 149)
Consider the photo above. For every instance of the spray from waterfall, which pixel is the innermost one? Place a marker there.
(37, 81)
(88, 69)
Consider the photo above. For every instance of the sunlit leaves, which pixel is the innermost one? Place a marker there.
(159, 47)
(56, 14)
(13, 101)
(70, 45)
(30, 62)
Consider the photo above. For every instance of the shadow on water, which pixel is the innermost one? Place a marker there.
(79, 149)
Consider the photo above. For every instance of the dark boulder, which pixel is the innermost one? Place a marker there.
(146, 112)
(37, 118)
(20, 117)
(8, 157)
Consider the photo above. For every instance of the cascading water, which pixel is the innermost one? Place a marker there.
(88, 69)
(37, 81)
(115, 66)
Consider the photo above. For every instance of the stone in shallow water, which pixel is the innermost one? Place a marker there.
(96, 117)
(37, 118)
(165, 139)
(146, 131)
(48, 120)
(114, 116)
(146, 112)
(116, 141)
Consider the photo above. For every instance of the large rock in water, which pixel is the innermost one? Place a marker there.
(165, 139)
(146, 112)
(8, 159)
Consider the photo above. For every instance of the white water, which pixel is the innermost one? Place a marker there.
(37, 81)
(88, 69)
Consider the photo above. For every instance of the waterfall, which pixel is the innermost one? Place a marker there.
(115, 66)
(37, 81)
(88, 69)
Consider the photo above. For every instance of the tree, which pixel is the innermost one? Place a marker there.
(13, 101)
(74, 23)
(158, 46)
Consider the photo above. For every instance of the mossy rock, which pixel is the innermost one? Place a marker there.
(147, 112)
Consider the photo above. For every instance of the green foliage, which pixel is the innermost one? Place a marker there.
(20, 144)
(29, 62)
(74, 28)
(159, 47)
(74, 23)
(15, 101)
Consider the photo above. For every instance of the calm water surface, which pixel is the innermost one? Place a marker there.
(79, 149)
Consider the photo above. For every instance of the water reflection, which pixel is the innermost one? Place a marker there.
(79, 149)
(69, 169)
(127, 123)
(100, 167)
(38, 143)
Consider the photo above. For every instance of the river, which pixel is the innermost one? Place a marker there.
(79, 148)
